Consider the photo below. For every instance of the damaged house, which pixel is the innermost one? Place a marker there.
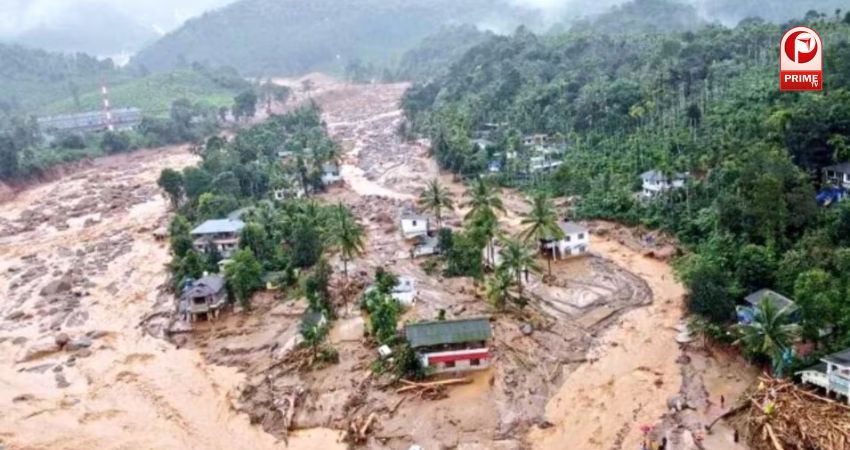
(451, 345)
(204, 297)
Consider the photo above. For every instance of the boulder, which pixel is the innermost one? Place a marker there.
(80, 343)
(677, 403)
(39, 350)
(56, 287)
(14, 316)
(62, 339)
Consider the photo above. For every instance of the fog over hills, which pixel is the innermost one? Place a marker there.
(99, 27)
(293, 36)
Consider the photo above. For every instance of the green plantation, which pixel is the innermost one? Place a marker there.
(703, 103)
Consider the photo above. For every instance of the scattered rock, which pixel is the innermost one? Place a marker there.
(683, 359)
(15, 316)
(56, 287)
(23, 398)
(545, 424)
(527, 329)
(80, 343)
(97, 334)
(61, 381)
(40, 350)
(677, 403)
(84, 353)
(62, 339)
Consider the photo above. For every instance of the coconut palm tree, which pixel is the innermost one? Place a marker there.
(347, 235)
(771, 333)
(541, 223)
(516, 259)
(485, 228)
(499, 289)
(483, 200)
(436, 198)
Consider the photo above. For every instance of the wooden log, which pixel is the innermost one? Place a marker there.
(824, 399)
(416, 386)
(773, 438)
(365, 428)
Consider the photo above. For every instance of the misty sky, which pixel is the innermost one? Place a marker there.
(20, 16)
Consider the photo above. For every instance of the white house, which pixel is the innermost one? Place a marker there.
(220, 234)
(282, 194)
(481, 144)
(656, 182)
(404, 292)
(832, 374)
(330, 174)
(838, 175)
(543, 163)
(426, 246)
(532, 140)
(576, 241)
(414, 225)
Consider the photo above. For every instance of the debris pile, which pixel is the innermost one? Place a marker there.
(782, 416)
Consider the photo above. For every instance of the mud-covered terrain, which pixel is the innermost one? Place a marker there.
(534, 354)
(80, 271)
(83, 365)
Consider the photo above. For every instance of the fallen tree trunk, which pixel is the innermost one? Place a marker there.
(411, 386)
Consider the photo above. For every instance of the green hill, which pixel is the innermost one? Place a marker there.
(31, 78)
(263, 37)
(154, 93)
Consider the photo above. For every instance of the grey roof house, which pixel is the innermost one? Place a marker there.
(205, 296)
(219, 234)
(778, 300)
(447, 332)
(451, 345)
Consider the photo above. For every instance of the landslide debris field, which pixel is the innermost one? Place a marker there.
(83, 362)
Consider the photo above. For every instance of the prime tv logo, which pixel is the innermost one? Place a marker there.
(801, 61)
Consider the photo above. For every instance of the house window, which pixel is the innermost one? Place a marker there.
(414, 223)
(475, 362)
(581, 236)
(568, 238)
(450, 364)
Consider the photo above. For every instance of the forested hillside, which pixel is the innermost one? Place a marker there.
(435, 54)
(705, 102)
(30, 78)
(264, 37)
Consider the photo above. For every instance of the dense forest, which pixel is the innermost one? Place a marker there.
(265, 37)
(433, 56)
(704, 102)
